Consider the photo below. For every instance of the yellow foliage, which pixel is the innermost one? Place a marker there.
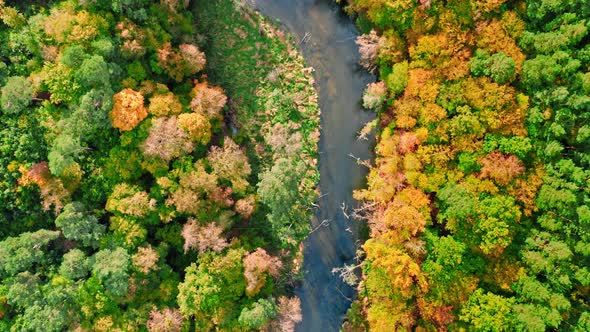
(432, 113)
(165, 104)
(400, 267)
(68, 25)
(492, 36)
(197, 126)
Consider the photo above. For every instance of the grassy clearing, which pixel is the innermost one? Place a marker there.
(272, 101)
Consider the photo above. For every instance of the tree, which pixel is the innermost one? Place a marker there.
(230, 163)
(188, 61)
(65, 148)
(194, 59)
(146, 259)
(167, 140)
(165, 105)
(128, 109)
(18, 254)
(278, 189)
(75, 265)
(203, 238)
(212, 286)
(256, 265)
(397, 80)
(501, 168)
(54, 310)
(207, 100)
(17, 95)
(197, 126)
(94, 73)
(369, 45)
(488, 312)
(258, 314)
(375, 95)
(289, 314)
(78, 224)
(498, 216)
(498, 66)
(89, 119)
(128, 199)
(166, 320)
(112, 268)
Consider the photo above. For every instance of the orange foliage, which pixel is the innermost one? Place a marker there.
(439, 314)
(525, 190)
(500, 168)
(207, 100)
(146, 259)
(203, 237)
(256, 264)
(189, 60)
(245, 207)
(400, 267)
(128, 109)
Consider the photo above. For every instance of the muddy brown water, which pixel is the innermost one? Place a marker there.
(327, 38)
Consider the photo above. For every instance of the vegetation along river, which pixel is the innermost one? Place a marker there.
(327, 39)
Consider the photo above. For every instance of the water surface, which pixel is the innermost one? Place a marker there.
(326, 36)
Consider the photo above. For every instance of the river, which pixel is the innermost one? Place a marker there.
(327, 39)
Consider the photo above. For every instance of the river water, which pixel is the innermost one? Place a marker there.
(327, 39)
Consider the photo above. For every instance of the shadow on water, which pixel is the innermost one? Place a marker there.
(327, 38)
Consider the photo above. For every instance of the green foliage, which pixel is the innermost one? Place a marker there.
(258, 314)
(499, 67)
(59, 69)
(111, 267)
(18, 254)
(62, 153)
(397, 80)
(78, 224)
(17, 94)
(93, 73)
(278, 190)
(488, 312)
(213, 284)
(75, 265)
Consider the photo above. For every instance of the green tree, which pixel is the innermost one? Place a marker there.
(212, 285)
(61, 155)
(397, 80)
(488, 312)
(75, 265)
(17, 94)
(21, 253)
(78, 224)
(258, 314)
(112, 268)
(93, 73)
(278, 189)
(500, 67)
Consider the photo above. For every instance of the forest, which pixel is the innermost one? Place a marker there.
(158, 165)
(478, 201)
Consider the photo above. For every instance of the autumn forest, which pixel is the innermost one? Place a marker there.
(159, 166)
